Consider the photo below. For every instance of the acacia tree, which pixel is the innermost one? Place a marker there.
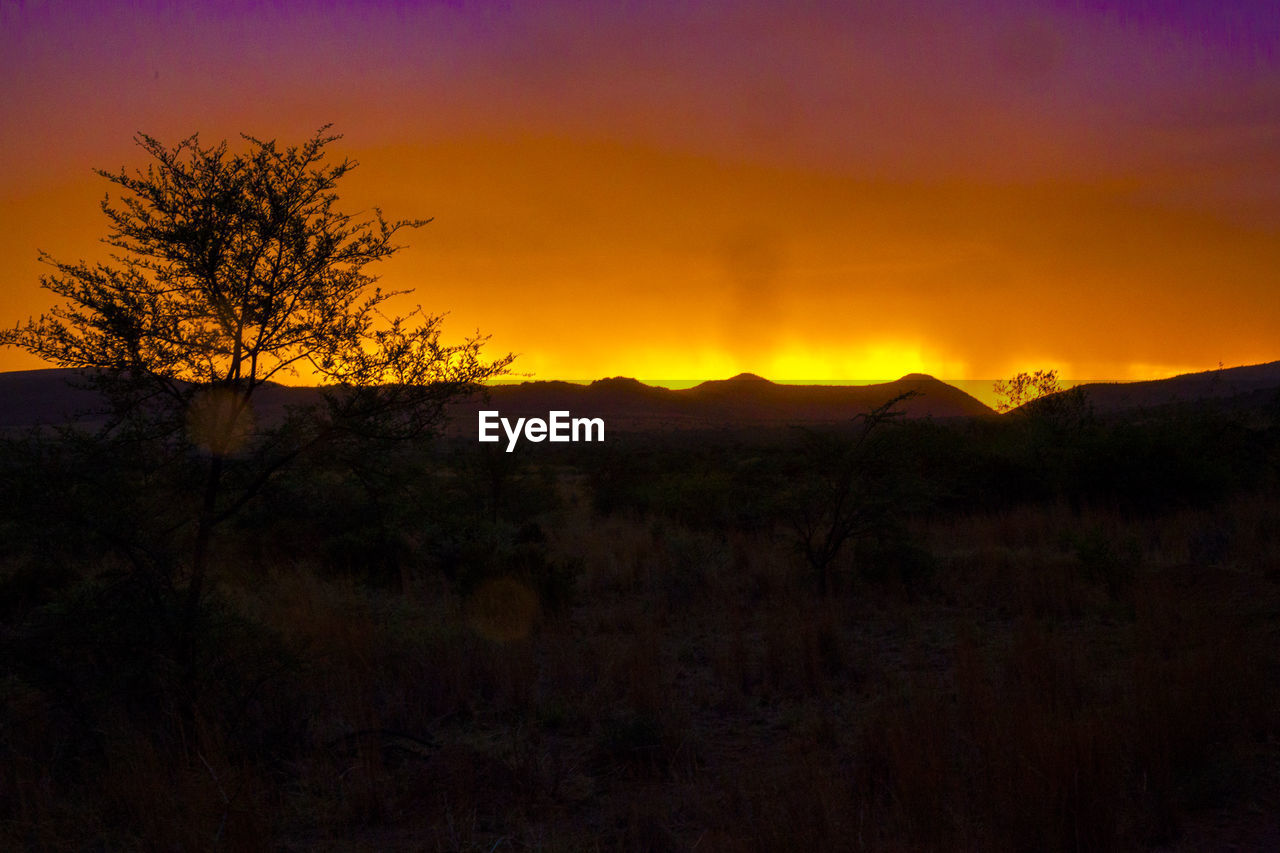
(1024, 388)
(228, 270)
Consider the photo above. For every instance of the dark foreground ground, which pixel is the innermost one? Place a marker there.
(1043, 633)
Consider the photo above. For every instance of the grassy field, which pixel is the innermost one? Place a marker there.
(1031, 640)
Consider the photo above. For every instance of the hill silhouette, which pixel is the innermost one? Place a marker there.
(53, 396)
(745, 399)
(1240, 384)
(49, 397)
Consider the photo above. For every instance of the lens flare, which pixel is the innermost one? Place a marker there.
(219, 420)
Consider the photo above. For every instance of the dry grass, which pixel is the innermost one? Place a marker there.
(1066, 681)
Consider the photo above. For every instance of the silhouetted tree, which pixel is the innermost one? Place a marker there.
(229, 270)
(847, 490)
(1024, 388)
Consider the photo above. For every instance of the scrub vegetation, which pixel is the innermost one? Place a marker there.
(1040, 634)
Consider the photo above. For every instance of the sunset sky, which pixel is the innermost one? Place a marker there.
(685, 190)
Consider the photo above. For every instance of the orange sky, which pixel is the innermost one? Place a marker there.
(668, 193)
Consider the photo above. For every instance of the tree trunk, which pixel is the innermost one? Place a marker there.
(189, 614)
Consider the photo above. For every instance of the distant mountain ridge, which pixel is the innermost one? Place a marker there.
(1223, 383)
(50, 396)
(742, 400)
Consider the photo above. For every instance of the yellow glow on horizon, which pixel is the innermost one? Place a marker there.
(696, 365)
(792, 362)
(882, 360)
(1139, 372)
